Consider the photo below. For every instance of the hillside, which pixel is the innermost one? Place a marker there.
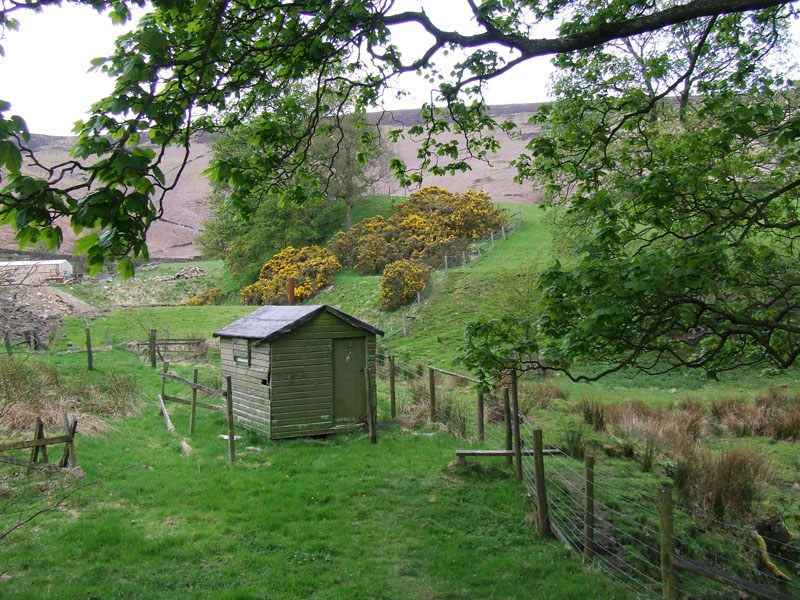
(186, 207)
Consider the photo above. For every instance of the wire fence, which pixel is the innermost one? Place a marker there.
(625, 529)
(473, 252)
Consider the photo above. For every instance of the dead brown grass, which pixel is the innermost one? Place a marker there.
(31, 389)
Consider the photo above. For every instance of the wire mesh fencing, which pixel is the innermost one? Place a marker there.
(643, 538)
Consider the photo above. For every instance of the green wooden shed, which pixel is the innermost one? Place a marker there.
(299, 370)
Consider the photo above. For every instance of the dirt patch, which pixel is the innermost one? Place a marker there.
(38, 308)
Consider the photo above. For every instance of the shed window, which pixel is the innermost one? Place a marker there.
(241, 352)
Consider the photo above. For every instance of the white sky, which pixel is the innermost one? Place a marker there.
(44, 73)
(45, 77)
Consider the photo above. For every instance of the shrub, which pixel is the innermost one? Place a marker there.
(207, 298)
(429, 225)
(312, 267)
(574, 440)
(593, 414)
(401, 281)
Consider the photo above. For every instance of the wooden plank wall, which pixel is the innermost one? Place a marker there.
(302, 376)
(251, 397)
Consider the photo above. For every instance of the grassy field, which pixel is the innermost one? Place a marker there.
(341, 518)
(310, 518)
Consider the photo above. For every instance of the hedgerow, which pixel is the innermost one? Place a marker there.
(312, 267)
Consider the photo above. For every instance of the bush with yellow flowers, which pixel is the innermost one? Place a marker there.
(429, 225)
(207, 298)
(312, 267)
(401, 281)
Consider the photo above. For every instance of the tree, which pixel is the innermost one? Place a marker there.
(689, 221)
(188, 63)
(681, 192)
(338, 162)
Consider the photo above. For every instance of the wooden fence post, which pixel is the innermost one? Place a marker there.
(432, 387)
(164, 379)
(229, 404)
(194, 403)
(405, 326)
(588, 512)
(515, 424)
(108, 338)
(463, 259)
(371, 417)
(38, 434)
(69, 457)
(445, 265)
(480, 416)
(152, 347)
(7, 340)
(493, 239)
(89, 357)
(543, 514)
(507, 421)
(669, 577)
(392, 391)
(503, 230)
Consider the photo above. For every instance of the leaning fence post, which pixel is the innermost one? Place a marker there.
(588, 512)
(194, 403)
(432, 387)
(507, 420)
(7, 340)
(515, 424)
(543, 514)
(152, 348)
(405, 326)
(480, 415)
(89, 357)
(392, 391)
(229, 405)
(164, 379)
(503, 230)
(669, 578)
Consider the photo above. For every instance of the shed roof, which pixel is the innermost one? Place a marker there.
(270, 322)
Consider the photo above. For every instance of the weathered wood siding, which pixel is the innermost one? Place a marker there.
(302, 376)
(251, 390)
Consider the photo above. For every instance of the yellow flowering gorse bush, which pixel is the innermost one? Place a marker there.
(313, 267)
(430, 224)
(207, 298)
(401, 281)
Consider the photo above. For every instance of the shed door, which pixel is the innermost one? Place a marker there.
(349, 386)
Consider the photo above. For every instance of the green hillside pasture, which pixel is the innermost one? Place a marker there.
(143, 290)
(311, 518)
(134, 324)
